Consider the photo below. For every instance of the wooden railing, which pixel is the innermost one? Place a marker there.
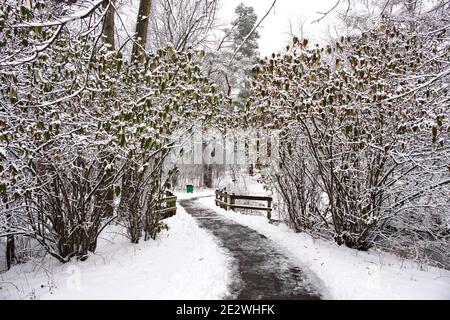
(227, 201)
(168, 205)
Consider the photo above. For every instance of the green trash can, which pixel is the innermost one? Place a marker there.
(189, 188)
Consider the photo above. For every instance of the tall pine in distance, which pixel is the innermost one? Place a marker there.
(248, 53)
(230, 64)
(243, 24)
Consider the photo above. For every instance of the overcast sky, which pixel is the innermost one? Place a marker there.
(275, 29)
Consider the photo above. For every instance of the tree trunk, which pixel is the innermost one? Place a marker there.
(141, 28)
(10, 251)
(207, 176)
(109, 34)
(109, 26)
(10, 242)
(206, 167)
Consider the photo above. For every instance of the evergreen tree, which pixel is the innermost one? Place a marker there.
(242, 26)
(232, 72)
(248, 53)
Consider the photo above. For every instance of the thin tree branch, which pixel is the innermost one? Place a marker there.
(324, 14)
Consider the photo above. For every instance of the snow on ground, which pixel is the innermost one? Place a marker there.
(346, 273)
(243, 184)
(183, 263)
(182, 195)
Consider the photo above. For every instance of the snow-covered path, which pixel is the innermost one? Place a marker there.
(261, 270)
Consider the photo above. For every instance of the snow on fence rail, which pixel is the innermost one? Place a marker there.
(227, 201)
(168, 206)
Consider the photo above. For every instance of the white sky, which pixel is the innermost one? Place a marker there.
(274, 29)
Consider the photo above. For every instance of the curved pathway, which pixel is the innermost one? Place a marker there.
(261, 270)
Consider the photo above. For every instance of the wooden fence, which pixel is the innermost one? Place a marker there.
(227, 201)
(168, 205)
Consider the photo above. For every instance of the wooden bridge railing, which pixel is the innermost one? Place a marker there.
(227, 201)
(168, 205)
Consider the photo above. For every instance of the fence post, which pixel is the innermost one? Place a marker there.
(226, 200)
(269, 205)
(232, 201)
(173, 203)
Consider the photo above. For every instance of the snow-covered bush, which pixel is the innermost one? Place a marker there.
(367, 124)
(84, 133)
(55, 170)
(168, 92)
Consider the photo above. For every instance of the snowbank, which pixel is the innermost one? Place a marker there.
(348, 273)
(182, 195)
(183, 263)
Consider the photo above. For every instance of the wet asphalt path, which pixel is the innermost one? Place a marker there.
(261, 271)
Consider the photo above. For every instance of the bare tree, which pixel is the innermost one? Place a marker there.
(297, 28)
(184, 23)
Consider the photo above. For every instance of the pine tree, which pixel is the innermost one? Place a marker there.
(248, 53)
(242, 26)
